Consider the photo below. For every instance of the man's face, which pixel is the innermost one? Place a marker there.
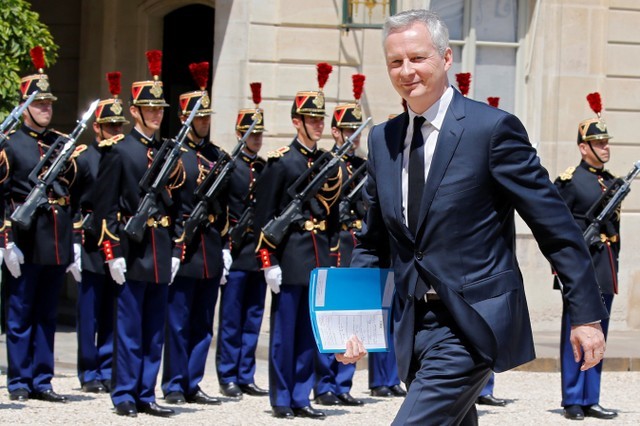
(41, 111)
(601, 148)
(416, 69)
(107, 130)
(314, 126)
(254, 142)
(341, 135)
(152, 116)
(201, 125)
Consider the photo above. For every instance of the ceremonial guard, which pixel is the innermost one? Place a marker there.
(242, 297)
(307, 243)
(96, 289)
(37, 256)
(582, 187)
(335, 379)
(194, 291)
(142, 269)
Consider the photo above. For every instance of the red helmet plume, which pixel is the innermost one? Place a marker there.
(464, 82)
(324, 69)
(493, 101)
(595, 102)
(358, 85)
(256, 88)
(200, 73)
(37, 57)
(114, 83)
(154, 60)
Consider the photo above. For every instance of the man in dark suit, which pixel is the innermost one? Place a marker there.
(443, 212)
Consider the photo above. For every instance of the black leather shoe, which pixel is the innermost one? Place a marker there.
(231, 389)
(127, 409)
(107, 385)
(573, 412)
(309, 413)
(327, 398)
(49, 395)
(20, 394)
(94, 386)
(491, 400)
(175, 398)
(347, 399)
(202, 398)
(397, 390)
(597, 411)
(381, 391)
(154, 409)
(282, 412)
(253, 390)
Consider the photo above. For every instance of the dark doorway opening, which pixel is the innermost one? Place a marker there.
(187, 38)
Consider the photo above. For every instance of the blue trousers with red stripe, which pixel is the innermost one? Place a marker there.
(241, 311)
(94, 326)
(332, 376)
(383, 370)
(32, 301)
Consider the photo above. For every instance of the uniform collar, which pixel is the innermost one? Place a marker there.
(303, 149)
(150, 142)
(246, 157)
(588, 167)
(29, 131)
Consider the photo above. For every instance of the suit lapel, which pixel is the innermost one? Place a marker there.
(395, 133)
(448, 140)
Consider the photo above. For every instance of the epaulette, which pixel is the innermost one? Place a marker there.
(111, 141)
(568, 174)
(278, 152)
(79, 150)
(183, 149)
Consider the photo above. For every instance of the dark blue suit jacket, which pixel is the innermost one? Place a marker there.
(483, 169)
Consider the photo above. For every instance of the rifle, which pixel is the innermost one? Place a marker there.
(347, 199)
(155, 179)
(62, 148)
(14, 118)
(208, 191)
(275, 230)
(613, 196)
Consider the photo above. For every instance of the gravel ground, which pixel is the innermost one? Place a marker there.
(534, 400)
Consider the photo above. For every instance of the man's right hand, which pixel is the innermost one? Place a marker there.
(273, 277)
(588, 344)
(13, 258)
(354, 353)
(118, 268)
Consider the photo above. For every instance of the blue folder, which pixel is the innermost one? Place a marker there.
(346, 301)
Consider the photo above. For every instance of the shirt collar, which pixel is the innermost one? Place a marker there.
(435, 114)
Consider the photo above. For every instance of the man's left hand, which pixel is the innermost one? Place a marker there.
(587, 341)
(354, 353)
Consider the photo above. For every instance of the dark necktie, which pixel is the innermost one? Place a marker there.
(416, 173)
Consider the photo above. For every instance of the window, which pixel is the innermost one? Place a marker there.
(366, 13)
(485, 37)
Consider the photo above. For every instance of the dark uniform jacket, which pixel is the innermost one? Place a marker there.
(48, 241)
(581, 187)
(351, 222)
(311, 242)
(82, 203)
(245, 174)
(4, 174)
(202, 257)
(116, 198)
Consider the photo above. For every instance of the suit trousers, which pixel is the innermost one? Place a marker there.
(94, 326)
(32, 305)
(139, 335)
(291, 348)
(383, 370)
(579, 387)
(189, 332)
(241, 311)
(446, 376)
(332, 376)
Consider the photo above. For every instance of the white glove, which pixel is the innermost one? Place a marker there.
(13, 257)
(175, 265)
(117, 268)
(227, 260)
(273, 277)
(76, 266)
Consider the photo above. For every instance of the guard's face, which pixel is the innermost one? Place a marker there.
(107, 130)
(254, 142)
(341, 135)
(201, 125)
(152, 116)
(601, 148)
(41, 111)
(415, 68)
(314, 127)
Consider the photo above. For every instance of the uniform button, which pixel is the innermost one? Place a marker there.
(419, 255)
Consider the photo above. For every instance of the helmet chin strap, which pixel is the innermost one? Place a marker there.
(594, 153)
(144, 123)
(304, 124)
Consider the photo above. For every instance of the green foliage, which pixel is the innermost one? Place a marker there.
(20, 31)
